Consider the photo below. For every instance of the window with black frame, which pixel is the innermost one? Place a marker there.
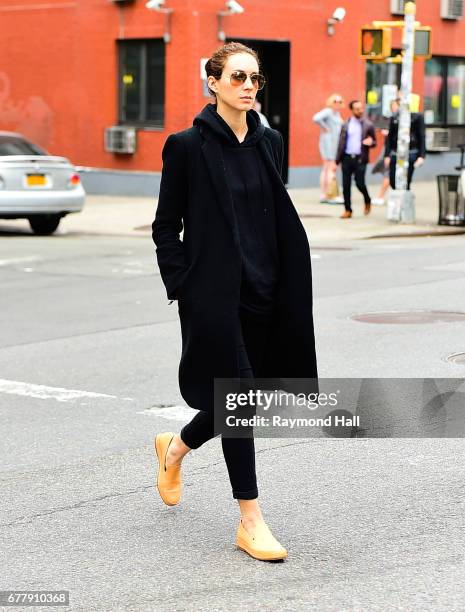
(381, 80)
(444, 91)
(141, 82)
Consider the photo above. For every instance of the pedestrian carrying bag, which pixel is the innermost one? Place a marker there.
(333, 189)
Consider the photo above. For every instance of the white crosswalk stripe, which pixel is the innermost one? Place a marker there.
(172, 413)
(15, 387)
(17, 260)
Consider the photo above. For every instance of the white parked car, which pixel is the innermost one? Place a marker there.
(36, 186)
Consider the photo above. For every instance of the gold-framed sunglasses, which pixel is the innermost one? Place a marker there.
(239, 77)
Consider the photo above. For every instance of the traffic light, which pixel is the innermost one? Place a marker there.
(375, 43)
(423, 43)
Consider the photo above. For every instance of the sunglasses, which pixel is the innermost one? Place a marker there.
(239, 77)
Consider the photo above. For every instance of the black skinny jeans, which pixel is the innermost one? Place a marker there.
(351, 165)
(239, 453)
(412, 158)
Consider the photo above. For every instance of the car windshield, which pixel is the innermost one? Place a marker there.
(12, 145)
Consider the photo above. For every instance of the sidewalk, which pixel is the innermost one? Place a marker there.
(112, 215)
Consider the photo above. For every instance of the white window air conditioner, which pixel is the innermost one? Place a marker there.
(452, 9)
(397, 7)
(438, 139)
(120, 139)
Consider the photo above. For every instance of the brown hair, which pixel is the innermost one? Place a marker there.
(214, 66)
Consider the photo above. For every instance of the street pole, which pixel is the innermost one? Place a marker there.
(401, 204)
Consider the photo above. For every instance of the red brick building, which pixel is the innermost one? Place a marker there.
(72, 68)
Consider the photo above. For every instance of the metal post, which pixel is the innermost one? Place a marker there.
(401, 204)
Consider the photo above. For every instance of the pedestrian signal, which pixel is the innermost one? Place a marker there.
(423, 43)
(375, 43)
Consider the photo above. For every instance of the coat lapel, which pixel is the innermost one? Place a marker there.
(214, 160)
(276, 181)
(269, 161)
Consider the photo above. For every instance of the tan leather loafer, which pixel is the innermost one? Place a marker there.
(346, 214)
(169, 482)
(262, 545)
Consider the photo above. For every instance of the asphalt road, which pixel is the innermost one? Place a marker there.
(89, 352)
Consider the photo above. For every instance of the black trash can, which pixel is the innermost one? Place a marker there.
(451, 202)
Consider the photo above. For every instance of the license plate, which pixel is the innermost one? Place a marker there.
(33, 180)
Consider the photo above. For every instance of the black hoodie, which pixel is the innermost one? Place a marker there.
(253, 202)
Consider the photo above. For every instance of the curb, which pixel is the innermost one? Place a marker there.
(417, 234)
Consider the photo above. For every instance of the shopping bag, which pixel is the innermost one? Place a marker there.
(333, 189)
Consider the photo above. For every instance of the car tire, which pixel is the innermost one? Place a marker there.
(44, 225)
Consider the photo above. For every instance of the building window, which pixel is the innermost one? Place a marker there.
(381, 80)
(141, 82)
(444, 98)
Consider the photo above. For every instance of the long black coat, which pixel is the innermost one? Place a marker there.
(203, 271)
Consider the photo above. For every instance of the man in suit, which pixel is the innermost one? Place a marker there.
(355, 141)
(417, 150)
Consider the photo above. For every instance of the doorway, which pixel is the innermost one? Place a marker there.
(274, 97)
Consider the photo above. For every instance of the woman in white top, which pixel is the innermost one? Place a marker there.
(330, 121)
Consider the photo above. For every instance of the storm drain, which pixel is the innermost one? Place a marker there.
(410, 317)
(457, 358)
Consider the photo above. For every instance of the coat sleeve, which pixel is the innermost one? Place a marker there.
(168, 222)
(372, 133)
(420, 126)
(341, 145)
(389, 146)
(280, 154)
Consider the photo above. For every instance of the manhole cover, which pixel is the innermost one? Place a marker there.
(457, 358)
(410, 317)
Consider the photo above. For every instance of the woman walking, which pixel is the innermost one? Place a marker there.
(330, 121)
(241, 274)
